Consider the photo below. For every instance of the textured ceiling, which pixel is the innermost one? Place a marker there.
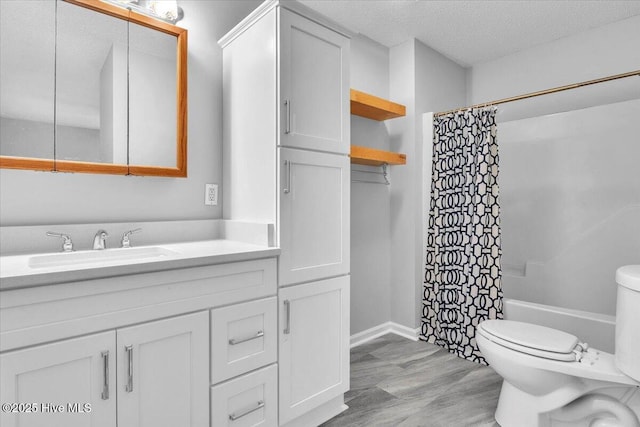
(472, 32)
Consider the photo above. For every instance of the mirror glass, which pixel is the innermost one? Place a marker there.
(152, 97)
(91, 86)
(27, 48)
(88, 86)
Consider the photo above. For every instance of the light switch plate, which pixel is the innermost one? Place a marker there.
(211, 194)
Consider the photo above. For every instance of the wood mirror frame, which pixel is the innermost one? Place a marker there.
(180, 170)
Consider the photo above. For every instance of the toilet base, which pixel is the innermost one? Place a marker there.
(519, 409)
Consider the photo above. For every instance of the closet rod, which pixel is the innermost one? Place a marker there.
(542, 92)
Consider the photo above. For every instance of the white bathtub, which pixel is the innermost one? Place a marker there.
(598, 330)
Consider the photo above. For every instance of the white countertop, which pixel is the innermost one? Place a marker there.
(16, 272)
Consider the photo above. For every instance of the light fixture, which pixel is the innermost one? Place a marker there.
(166, 10)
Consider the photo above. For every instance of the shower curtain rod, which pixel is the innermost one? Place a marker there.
(542, 92)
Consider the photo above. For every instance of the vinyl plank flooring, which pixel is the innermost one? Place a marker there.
(399, 382)
(369, 371)
(404, 352)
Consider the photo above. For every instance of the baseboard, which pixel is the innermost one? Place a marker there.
(383, 329)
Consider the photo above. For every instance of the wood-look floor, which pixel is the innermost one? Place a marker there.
(399, 382)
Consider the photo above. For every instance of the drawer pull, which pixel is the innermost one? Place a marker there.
(234, 417)
(287, 105)
(234, 341)
(129, 386)
(287, 189)
(105, 373)
(287, 308)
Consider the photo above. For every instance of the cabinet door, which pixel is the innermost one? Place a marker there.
(314, 215)
(314, 345)
(163, 373)
(314, 85)
(68, 383)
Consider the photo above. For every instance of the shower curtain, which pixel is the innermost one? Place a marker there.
(462, 285)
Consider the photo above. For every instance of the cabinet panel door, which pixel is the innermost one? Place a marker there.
(314, 215)
(58, 376)
(314, 82)
(314, 345)
(163, 373)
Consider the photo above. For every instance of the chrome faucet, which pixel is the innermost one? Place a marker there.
(67, 246)
(100, 240)
(126, 242)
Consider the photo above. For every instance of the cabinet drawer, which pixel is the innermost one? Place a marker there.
(243, 338)
(249, 400)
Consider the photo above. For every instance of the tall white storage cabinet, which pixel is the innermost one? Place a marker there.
(286, 144)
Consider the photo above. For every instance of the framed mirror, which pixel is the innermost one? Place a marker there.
(92, 87)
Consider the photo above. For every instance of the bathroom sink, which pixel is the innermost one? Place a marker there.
(98, 256)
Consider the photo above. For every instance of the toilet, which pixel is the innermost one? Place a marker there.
(553, 379)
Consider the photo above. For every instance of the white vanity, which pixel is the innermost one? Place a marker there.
(145, 349)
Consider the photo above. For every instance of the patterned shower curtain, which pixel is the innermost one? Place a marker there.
(462, 284)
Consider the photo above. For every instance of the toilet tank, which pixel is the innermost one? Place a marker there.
(628, 321)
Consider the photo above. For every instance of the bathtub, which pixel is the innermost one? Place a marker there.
(598, 330)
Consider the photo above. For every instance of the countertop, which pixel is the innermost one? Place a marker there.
(15, 271)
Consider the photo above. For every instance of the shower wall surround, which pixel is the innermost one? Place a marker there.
(603, 51)
(570, 195)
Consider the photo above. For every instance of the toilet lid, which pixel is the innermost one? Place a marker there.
(629, 277)
(532, 339)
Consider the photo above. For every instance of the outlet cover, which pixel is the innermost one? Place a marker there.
(211, 194)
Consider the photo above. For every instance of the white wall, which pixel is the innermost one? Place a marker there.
(30, 198)
(386, 222)
(370, 203)
(587, 165)
(600, 52)
(423, 80)
(403, 182)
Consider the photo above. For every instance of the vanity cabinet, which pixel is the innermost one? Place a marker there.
(152, 374)
(286, 136)
(167, 342)
(47, 378)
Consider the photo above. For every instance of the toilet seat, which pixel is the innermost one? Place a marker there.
(533, 339)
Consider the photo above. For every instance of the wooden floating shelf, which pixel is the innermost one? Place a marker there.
(372, 157)
(372, 107)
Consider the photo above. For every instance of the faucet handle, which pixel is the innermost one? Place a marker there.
(126, 243)
(67, 246)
